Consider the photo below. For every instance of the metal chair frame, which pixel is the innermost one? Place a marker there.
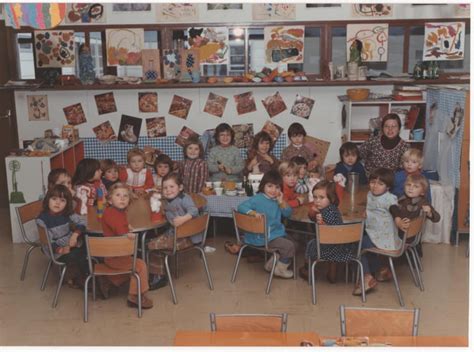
(284, 319)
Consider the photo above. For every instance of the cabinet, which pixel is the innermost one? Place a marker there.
(27, 178)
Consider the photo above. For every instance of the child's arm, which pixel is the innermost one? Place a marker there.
(431, 213)
(149, 184)
(285, 209)
(237, 163)
(203, 175)
(123, 176)
(402, 224)
(247, 207)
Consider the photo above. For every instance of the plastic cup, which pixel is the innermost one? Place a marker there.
(218, 190)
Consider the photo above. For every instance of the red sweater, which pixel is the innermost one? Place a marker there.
(289, 196)
(142, 180)
(115, 222)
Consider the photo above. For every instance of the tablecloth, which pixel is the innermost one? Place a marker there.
(221, 206)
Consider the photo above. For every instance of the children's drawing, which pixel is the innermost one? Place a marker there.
(272, 11)
(124, 46)
(171, 64)
(372, 10)
(122, 7)
(215, 105)
(212, 43)
(85, 13)
(151, 64)
(36, 15)
(374, 38)
(177, 12)
(38, 108)
(189, 65)
(284, 44)
(54, 49)
(444, 41)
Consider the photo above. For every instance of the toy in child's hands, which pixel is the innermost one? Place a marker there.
(340, 180)
(155, 202)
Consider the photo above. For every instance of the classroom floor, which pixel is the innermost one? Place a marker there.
(26, 316)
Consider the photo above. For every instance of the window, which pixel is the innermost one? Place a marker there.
(312, 48)
(79, 38)
(95, 40)
(26, 58)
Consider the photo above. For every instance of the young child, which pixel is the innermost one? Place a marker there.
(259, 154)
(136, 175)
(193, 169)
(64, 229)
(224, 161)
(296, 133)
(269, 201)
(287, 171)
(179, 208)
(412, 161)
(163, 166)
(349, 154)
(315, 175)
(301, 172)
(110, 172)
(88, 184)
(115, 223)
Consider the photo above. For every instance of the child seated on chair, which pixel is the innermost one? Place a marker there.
(136, 175)
(350, 162)
(287, 171)
(179, 208)
(110, 172)
(269, 202)
(163, 166)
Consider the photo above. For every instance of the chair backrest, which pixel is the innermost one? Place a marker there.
(27, 213)
(250, 224)
(339, 234)
(45, 241)
(359, 321)
(199, 200)
(193, 227)
(249, 322)
(416, 225)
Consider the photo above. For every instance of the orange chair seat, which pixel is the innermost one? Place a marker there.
(102, 269)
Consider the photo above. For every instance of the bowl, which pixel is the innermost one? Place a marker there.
(108, 79)
(357, 94)
(231, 193)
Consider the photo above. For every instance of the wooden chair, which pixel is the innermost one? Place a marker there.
(414, 230)
(251, 224)
(249, 322)
(106, 247)
(410, 248)
(25, 214)
(361, 321)
(338, 235)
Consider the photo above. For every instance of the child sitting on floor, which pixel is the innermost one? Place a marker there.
(349, 154)
(193, 169)
(136, 175)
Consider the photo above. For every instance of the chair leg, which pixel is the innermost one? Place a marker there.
(457, 239)
(86, 303)
(270, 278)
(143, 254)
(236, 267)
(362, 282)
(313, 281)
(45, 275)
(139, 294)
(60, 283)
(347, 273)
(295, 275)
(93, 288)
(417, 269)
(310, 280)
(176, 268)
(418, 259)
(395, 281)
(25, 261)
(410, 265)
(170, 279)
(206, 267)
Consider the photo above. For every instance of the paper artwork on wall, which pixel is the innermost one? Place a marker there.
(245, 103)
(171, 64)
(308, 6)
(105, 133)
(189, 64)
(180, 107)
(372, 10)
(151, 64)
(212, 43)
(129, 130)
(177, 12)
(148, 102)
(36, 15)
(302, 107)
(184, 135)
(318, 148)
(215, 105)
(462, 10)
(273, 130)
(284, 44)
(38, 107)
(54, 48)
(227, 6)
(156, 127)
(105, 103)
(124, 46)
(274, 104)
(122, 7)
(272, 11)
(243, 135)
(374, 38)
(74, 114)
(444, 41)
(85, 13)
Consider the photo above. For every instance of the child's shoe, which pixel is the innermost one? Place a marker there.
(157, 281)
(384, 274)
(369, 283)
(132, 301)
(104, 286)
(332, 272)
(281, 270)
(269, 264)
(303, 271)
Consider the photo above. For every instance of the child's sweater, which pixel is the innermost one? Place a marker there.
(358, 168)
(141, 180)
(229, 157)
(115, 222)
(399, 184)
(194, 173)
(302, 186)
(181, 205)
(411, 208)
(292, 151)
(290, 196)
(379, 224)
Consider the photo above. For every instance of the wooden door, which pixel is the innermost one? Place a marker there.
(463, 200)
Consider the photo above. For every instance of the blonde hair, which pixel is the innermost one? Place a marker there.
(118, 185)
(135, 152)
(287, 168)
(413, 153)
(418, 179)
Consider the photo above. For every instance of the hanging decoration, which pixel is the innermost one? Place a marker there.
(129, 130)
(171, 64)
(74, 114)
(124, 46)
(54, 49)
(38, 108)
(190, 68)
(151, 64)
(273, 130)
(274, 104)
(302, 107)
(284, 44)
(245, 103)
(156, 127)
(243, 135)
(374, 39)
(184, 135)
(148, 102)
(372, 10)
(105, 103)
(215, 105)
(35, 15)
(444, 41)
(180, 107)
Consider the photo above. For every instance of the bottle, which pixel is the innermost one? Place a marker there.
(248, 187)
(417, 71)
(435, 70)
(430, 70)
(425, 71)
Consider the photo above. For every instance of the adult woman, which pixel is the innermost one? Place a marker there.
(260, 154)
(385, 149)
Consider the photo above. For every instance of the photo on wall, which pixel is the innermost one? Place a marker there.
(184, 135)
(273, 130)
(274, 104)
(215, 105)
(105, 103)
(180, 107)
(302, 107)
(129, 129)
(148, 102)
(243, 135)
(156, 127)
(105, 133)
(74, 114)
(245, 103)
(38, 107)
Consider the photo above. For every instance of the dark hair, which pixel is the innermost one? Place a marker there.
(261, 136)
(60, 191)
(349, 148)
(392, 116)
(163, 159)
(383, 174)
(194, 141)
(224, 127)
(173, 176)
(330, 188)
(299, 160)
(295, 129)
(85, 171)
(54, 174)
(107, 164)
(272, 176)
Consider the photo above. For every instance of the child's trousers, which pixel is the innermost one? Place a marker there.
(370, 261)
(285, 247)
(157, 259)
(125, 263)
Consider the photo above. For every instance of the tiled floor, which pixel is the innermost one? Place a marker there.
(26, 316)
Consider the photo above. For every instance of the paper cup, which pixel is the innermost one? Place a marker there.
(218, 190)
(217, 184)
(209, 184)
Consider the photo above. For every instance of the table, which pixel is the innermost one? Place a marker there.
(238, 338)
(414, 341)
(221, 207)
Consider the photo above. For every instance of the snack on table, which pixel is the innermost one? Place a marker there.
(229, 185)
(208, 191)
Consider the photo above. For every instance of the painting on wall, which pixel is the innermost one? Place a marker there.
(318, 147)
(444, 41)
(372, 10)
(124, 46)
(156, 127)
(105, 103)
(74, 114)
(129, 130)
(462, 10)
(54, 49)
(151, 64)
(36, 15)
(243, 135)
(245, 103)
(284, 44)
(215, 105)
(273, 11)
(309, 6)
(302, 107)
(121, 7)
(85, 13)
(374, 39)
(212, 43)
(221, 6)
(105, 133)
(180, 107)
(177, 12)
(37, 107)
(190, 68)
(184, 135)
(171, 64)
(148, 102)
(273, 130)
(274, 104)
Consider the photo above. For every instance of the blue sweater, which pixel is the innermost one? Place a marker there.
(273, 213)
(358, 168)
(399, 183)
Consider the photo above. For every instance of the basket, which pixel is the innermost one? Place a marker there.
(358, 94)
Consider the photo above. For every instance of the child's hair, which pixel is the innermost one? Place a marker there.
(349, 148)
(318, 169)
(190, 142)
(383, 174)
(173, 176)
(85, 171)
(330, 188)
(163, 159)
(60, 191)
(116, 186)
(299, 162)
(54, 174)
(391, 116)
(295, 129)
(224, 127)
(261, 136)
(271, 176)
(287, 168)
(135, 152)
(107, 164)
(413, 153)
(420, 179)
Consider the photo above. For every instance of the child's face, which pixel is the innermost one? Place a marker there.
(321, 199)
(111, 174)
(97, 175)
(225, 138)
(349, 158)
(297, 139)
(192, 151)
(313, 174)
(137, 163)
(162, 169)
(65, 180)
(171, 189)
(271, 190)
(290, 180)
(57, 204)
(263, 147)
(120, 198)
(302, 171)
(413, 189)
(411, 165)
(377, 187)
